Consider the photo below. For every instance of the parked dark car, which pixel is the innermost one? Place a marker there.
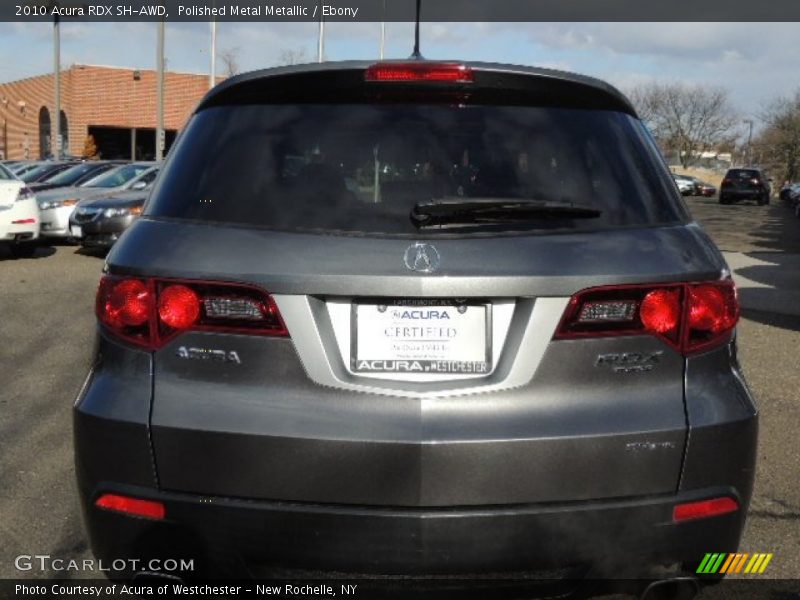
(44, 171)
(790, 193)
(99, 223)
(74, 175)
(362, 364)
(745, 184)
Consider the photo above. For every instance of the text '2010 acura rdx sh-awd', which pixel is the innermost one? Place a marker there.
(415, 318)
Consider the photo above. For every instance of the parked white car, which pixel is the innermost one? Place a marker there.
(19, 215)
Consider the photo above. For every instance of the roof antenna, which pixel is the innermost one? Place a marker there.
(416, 54)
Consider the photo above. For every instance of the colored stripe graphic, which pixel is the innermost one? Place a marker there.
(741, 562)
(728, 562)
(722, 562)
(765, 563)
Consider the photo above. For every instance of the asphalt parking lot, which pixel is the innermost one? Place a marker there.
(46, 333)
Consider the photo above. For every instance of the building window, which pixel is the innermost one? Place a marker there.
(44, 132)
(64, 130)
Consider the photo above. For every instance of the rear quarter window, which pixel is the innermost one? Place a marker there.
(360, 168)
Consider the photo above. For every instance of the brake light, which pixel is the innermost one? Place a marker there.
(661, 311)
(704, 509)
(419, 71)
(136, 507)
(24, 222)
(149, 312)
(690, 317)
(24, 193)
(178, 306)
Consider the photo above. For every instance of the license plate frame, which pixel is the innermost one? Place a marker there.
(420, 366)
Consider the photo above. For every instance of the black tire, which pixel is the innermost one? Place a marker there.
(23, 250)
(723, 200)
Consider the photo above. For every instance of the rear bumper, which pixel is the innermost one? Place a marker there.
(738, 194)
(239, 538)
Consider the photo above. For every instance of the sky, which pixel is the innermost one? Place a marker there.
(756, 66)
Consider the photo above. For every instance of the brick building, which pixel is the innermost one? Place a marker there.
(116, 106)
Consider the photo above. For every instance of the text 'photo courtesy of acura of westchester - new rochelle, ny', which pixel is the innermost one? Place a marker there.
(416, 318)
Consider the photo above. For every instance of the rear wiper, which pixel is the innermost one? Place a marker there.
(460, 211)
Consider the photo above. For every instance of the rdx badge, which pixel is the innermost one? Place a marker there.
(227, 356)
(629, 362)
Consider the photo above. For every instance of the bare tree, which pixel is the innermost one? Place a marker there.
(230, 61)
(292, 57)
(686, 120)
(779, 143)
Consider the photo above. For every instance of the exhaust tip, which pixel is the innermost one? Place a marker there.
(678, 588)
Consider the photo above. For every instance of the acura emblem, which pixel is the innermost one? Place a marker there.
(423, 258)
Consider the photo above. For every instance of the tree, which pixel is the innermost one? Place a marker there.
(230, 61)
(292, 57)
(779, 143)
(90, 150)
(686, 120)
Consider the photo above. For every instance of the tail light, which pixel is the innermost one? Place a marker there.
(25, 193)
(150, 312)
(419, 71)
(703, 509)
(136, 507)
(689, 316)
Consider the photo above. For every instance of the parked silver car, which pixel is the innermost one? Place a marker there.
(57, 205)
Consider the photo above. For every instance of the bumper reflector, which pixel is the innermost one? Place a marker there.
(136, 507)
(704, 509)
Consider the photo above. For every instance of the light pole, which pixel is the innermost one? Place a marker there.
(56, 120)
(213, 73)
(383, 30)
(321, 36)
(160, 92)
(749, 142)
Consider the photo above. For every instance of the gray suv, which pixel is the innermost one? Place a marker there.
(416, 318)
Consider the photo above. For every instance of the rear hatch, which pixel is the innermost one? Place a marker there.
(743, 180)
(420, 243)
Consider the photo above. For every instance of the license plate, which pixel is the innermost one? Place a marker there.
(76, 231)
(421, 336)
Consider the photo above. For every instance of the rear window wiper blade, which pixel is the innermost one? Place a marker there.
(480, 211)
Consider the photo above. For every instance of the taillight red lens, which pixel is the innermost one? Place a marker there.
(690, 317)
(704, 509)
(713, 312)
(136, 507)
(178, 306)
(419, 71)
(661, 311)
(149, 312)
(128, 303)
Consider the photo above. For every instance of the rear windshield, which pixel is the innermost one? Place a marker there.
(360, 169)
(742, 174)
(117, 177)
(73, 174)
